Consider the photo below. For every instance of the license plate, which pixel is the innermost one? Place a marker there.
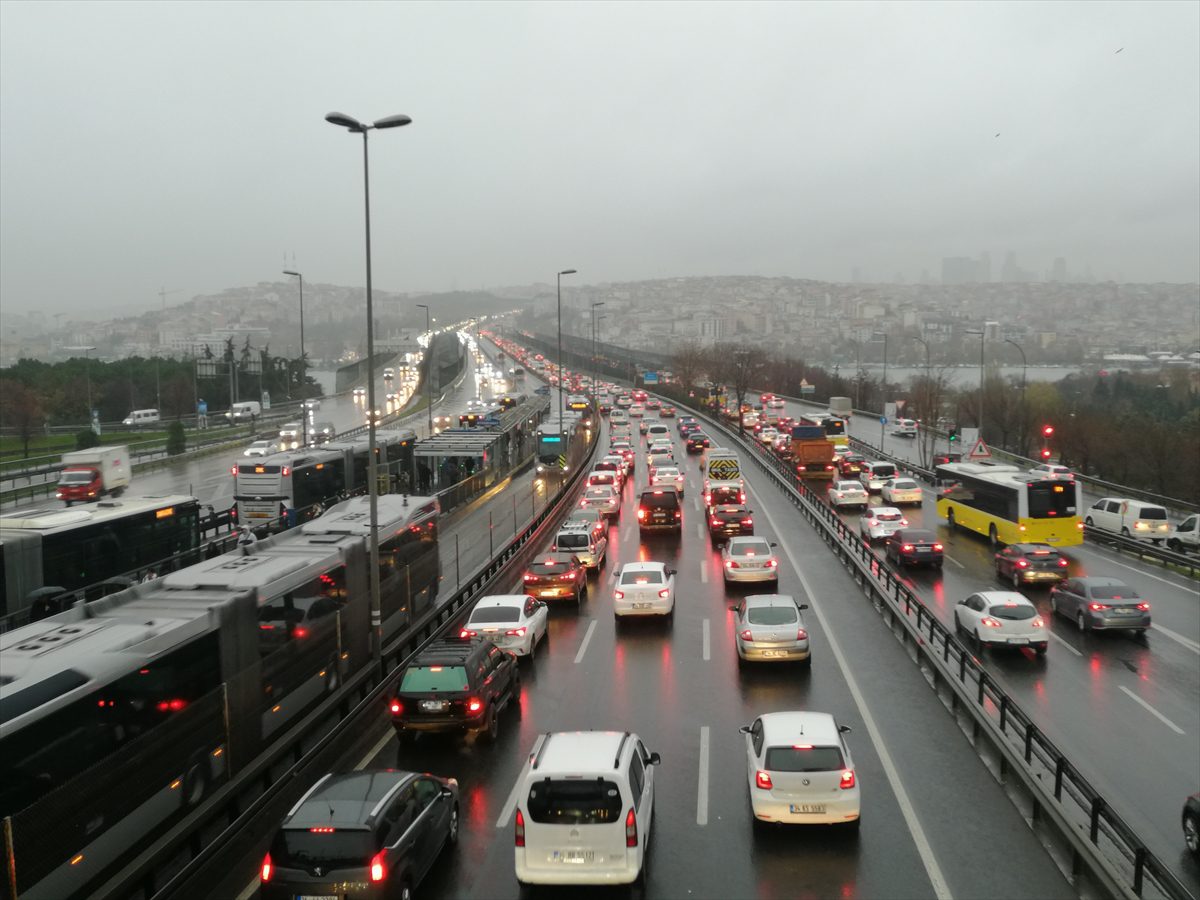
(812, 808)
(922, 549)
(433, 705)
(1126, 612)
(771, 654)
(1018, 640)
(550, 593)
(642, 605)
(317, 897)
(573, 857)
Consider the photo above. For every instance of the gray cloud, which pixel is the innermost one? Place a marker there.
(183, 145)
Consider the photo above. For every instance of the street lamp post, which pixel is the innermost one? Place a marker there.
(883, 387)
(981, 361)
(356, 127)
(595, 306)
(928, 396)
(1024, 409)
(428, 365)
(560, 366)
(303, 409)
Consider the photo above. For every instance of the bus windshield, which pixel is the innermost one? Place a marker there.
(1055, 499)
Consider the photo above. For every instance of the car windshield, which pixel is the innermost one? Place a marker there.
(339, 848)
(803, 758)
(848, 486)
(1114, 592)
(661, 500)
(887, 470)
(642, 577)
(1153, 512)
(548, 568)
(904, 484)
(1016, 612)
(573, 540)
(489, 614)
(434, 678)
(561, 802)
(666, 472)
(601, 477)
(75, 478)
(772, 615)
(750, 548)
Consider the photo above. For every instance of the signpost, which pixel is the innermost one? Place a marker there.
(806, 388)
(979, 451)
(649, 378)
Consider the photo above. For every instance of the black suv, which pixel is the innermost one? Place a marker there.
(660, 510)
(456, 684)
(362, 834)
(728, 520)
(697, 442)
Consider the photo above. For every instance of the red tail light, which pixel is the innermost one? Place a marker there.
(801, 634)
(520, 829)
(467, 633)
(583, 503)
(631, 838)
(746, 635)
(664, 593)
(990, 622)
(907, 548)
(678, 514)
(762, 780)
(731, 564)
(516, 632)
(937, 547)
(1062, 562)
(903, 522)
(396, 707)
(714, 521)
(529, 577)
(233, 471)
(378, 871)
(618, 595)
(171, 705)
(747, 521)
(300, 632)
(847, 781)
(1144, 607)
(1038, 622)
(570, 576)
(268, 868)
(1022, 564)
(474, 705)
(1096, 607)
(772, 563)
(641, 512)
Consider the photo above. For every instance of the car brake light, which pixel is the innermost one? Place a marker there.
(467, 633)
(1097, 606)
(396, 707)
(937, 547)
(618, 595)
(1144, 607)
(1062, 562)
(801, 634)
(1022, 564)
(268, 868)
(990, 622)
(641, 512)
(903, 522)
(747, 521)
(1038, 622)
(679, 514)
(570, 576)
(746, 635)
(762, 780)
(731, 564)
(529, 577)
(665, 593)
(300, 631)
(847, 781)
(233, 471)
(772, 563)
(322, 829)
(871, 523)
(520, 829)
(171, 705)
(516, 632)
(907, 548)
(631, 835)
(474, 705)
(378, 872)
(715, 521)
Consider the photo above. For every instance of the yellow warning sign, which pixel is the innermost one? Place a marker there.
(723, 469)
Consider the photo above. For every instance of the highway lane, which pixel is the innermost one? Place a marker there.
(929, 804)
(1097, 695)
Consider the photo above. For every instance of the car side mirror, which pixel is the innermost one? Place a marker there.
(844, 729)
(745, 729)
(802, 606)
(653, 759)
(447, 793)
(773, 544)
(733, 608)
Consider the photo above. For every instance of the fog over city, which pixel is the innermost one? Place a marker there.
(182, 145)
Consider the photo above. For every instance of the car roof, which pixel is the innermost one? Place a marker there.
(882, 509)
(1100, 580)
(497, 600)
(799, 727)
(452, 650)
(764, 600)
(562, 752)
(747, 539)
(643, 567)
(920, 534)
(576, 524)
(1031, 546)
(1005, 598)
(730, 508)
(346, 799)
(553, 557)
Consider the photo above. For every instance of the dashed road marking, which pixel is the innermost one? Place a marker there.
(1150, 709)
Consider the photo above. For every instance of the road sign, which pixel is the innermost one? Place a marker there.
(980, 451)
(650, 378)
(883, 420)
(806, 388)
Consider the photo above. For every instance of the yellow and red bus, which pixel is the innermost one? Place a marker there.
(1009, 505)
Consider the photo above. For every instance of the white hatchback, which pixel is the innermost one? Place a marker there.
(644, 589)
(874, 474)
(604, 499)
(513, 622)
(901, 490)
(880, 522)
(1001, 618)
(800, 770)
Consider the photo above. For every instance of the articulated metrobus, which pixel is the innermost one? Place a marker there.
(121, 715)
(75, 548)
(1009, 505)
(834, 428)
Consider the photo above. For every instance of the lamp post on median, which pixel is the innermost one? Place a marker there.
(428, 365)
(354, 126)
(982, 335)
(595, 306)
(928, 399)
(875, 339)
(303, 408)
(1024, 408)
(559, 363)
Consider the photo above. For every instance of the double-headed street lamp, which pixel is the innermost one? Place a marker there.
(560, 366)
(878, 337)
(428, 364)
(303, 408)
(1024, 407)
(595, 305)
(982, 336)
(354, 126)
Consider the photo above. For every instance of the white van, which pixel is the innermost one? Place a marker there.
(244, 411)
(584, 806)
(141, 417)
(657, 432)
(1130, 518)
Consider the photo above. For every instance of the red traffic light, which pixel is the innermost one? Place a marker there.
(1046, 454)
(1047, 430)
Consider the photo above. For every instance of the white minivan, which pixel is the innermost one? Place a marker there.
(244, 412)
(1130, 518)
(584, 806)
(141, 417)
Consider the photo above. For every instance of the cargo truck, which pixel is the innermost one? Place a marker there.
(812, 452)
(840, 407)
(90, 474)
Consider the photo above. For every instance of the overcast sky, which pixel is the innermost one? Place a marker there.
(183, 145)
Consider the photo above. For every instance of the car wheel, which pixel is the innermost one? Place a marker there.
(978, 643)
(195, 781)
(406, 892)
(1081, 621)
(1124, 532)
(1088, 522)
(452, 833)
(993, 538)
(493, 725)
(1016, 579)
(1191, 833)
(950, 518)
(1174, 544)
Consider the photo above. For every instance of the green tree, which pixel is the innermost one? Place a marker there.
(176, 438)
(21, 410)
(86, 439)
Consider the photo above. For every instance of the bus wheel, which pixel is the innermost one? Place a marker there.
(950, 518)
(993, 539)
(195, 782)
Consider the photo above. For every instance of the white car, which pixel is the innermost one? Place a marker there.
(613, 462)
(604, 499)
(1052, 470)
(661, 446)
(289, 435)
(312, 403)
(667, 476)
(604, 478)
(767, 436)
(770, 628)
(578, 537)
(261, 448)
(513, 622)
(880, 522)
(901, 490)
(637, 411)
(644, 589)
(841, 450)
(749, 559)
(800, 770)
(874, 474)
(905, 428)
(391, 397)
(849, 493)
(360, 393)
(618, 417)
(1001, 618)
(658, 460)
(776, 403)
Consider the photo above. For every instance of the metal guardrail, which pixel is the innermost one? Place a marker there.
(175, 864)
(1099, 841)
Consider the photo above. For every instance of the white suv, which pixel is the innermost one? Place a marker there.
(584, 806)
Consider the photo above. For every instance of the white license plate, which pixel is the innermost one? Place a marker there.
(573, 857)
(642, 605)
(547, 593)
(317, 897)
(433, 705)
(771, 654)
(922, 549)
(1018, 640)
(811, 808)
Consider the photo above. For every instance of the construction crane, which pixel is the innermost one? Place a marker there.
(162, 294)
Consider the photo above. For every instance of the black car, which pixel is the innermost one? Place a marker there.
(363, 834)
(1191, 823)
(851, 465)
(660, 510)
(686, 422)
(1029, 563)
(698, 442)
(728, 520)
(456, 685)
(914, 547)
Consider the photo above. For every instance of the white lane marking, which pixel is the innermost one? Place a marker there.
(511, 802)
(704, 571)
(1150, 709)
(953, 560)
(586, 639)
(702, 783)
(1175, 635)
(696, 503)
(1055, 637)
(707, 641)
(1108, 559)
(937, 880)
(700, 530)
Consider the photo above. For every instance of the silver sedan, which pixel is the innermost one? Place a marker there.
(770, 628)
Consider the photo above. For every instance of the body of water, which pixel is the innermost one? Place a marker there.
(965, 376)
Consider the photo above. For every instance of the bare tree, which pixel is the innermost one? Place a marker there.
(928, 395)
(739, 366)
(689, 362)
(21, 410)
